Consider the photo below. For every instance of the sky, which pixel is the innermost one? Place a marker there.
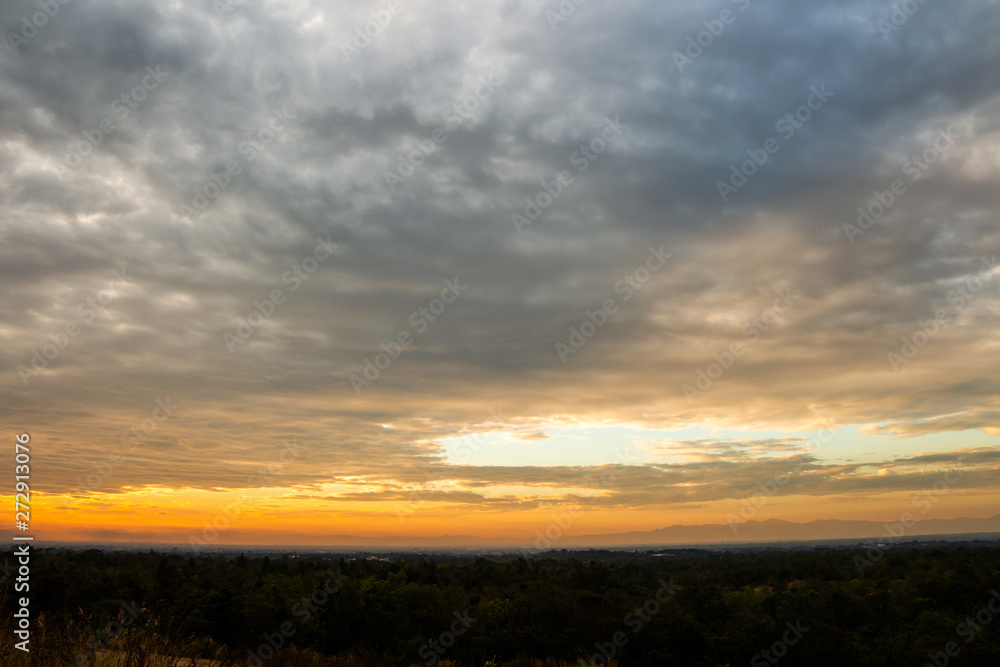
(278, 272)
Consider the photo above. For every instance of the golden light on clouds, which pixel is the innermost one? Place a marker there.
(344, 352)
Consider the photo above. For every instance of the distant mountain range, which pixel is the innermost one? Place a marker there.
(771, 530)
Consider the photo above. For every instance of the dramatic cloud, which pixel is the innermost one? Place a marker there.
(644, 214)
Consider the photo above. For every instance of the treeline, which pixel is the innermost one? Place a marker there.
(682, 607)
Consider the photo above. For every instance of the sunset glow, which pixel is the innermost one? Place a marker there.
(480, 269)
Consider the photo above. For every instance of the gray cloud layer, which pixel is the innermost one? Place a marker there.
(323, 176)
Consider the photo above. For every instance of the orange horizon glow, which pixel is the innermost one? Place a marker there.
(189, 514)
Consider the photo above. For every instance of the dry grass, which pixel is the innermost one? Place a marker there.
(60, 642)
